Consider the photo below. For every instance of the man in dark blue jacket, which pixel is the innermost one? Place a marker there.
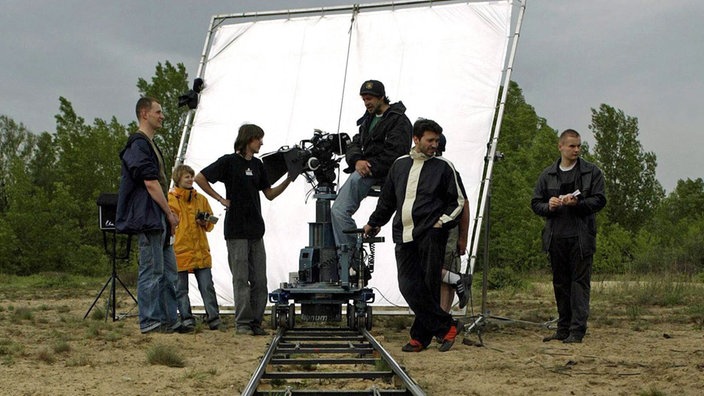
(384, 135)
(424, 191)
(568, 194)
(142, 209)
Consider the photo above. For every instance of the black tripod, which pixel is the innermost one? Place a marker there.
(113, 277)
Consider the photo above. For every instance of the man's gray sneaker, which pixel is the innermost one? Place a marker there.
(573, 339)
(244, 330)
(258, 331)
(556, 336)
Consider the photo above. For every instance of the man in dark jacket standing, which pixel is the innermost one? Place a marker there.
(568, 194)
(424, 191)
(384, 135)
(142, 209)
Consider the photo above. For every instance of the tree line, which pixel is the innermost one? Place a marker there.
(50, 182)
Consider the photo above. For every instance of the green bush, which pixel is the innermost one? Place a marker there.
(502, 278)
(614, 251)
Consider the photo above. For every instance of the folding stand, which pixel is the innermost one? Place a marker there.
(107, 205)
(113, 277)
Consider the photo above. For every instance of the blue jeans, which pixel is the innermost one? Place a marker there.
(156, 282)
(348, 199)
(204, 277)
(247, 259)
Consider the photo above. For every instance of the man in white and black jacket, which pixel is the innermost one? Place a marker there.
(424, 192)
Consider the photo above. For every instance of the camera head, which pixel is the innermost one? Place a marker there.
(316, 158)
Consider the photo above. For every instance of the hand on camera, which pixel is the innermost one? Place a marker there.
(370, 231)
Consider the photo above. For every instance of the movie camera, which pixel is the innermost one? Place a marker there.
(316, 158)
(328, 276)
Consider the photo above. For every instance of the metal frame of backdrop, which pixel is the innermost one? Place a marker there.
(481, 208)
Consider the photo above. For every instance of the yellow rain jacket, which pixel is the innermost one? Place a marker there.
(191, 245)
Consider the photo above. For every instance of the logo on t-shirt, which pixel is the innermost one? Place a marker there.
(248, 172)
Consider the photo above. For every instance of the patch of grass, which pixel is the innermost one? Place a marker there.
(96, 328)
(78, 361)
(9, 348)
(45, 280)
(45, 355)
(675, 295)
(23, 313)
(98, 313)
(696, 315)
(200, 375)
(113, 336)
(634, 312)
(641, 326)
(667, 291)
(63, 309)
(381, 365)
(165, 355)
(62, 347)
(652, 391)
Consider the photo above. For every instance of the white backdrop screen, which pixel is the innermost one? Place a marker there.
(291, 76)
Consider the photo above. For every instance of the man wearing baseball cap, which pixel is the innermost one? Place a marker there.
(384, 135)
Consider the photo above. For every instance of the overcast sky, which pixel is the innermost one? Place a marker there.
(641, 56)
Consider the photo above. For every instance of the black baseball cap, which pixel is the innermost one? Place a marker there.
(373, 87)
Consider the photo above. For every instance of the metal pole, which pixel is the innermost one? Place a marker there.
(481, 210)
(186, 133)
(485, 271)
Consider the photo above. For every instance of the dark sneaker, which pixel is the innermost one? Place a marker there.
(215, 324)
(258, 331)
(413, 346)
(162, 328)
(462, 288)
(244, 330)
(449, 339)
(573, 339)
(556, 336)
(184, 328)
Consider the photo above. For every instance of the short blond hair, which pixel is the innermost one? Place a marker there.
(181, 170)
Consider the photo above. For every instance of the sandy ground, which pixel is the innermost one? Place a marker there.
(46, 348)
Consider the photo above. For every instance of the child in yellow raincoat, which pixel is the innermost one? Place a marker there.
(191, 246)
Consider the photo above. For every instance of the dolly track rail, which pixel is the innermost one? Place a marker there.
(326, 350)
